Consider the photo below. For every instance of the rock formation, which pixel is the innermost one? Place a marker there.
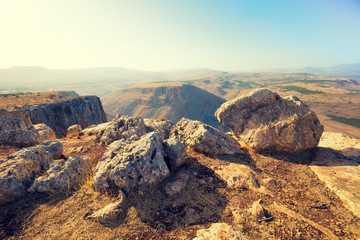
(62, 175)
(204, 138)
(14, 132)
(73, 130)
(45, 132)
(60, 115)
(170, 101)
(18, 171)
(175, 152)
(267, 122)
(139, 164)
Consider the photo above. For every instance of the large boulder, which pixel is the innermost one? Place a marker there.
(45, 132)
(269, 123)
(204, 138)
(9, 123)
(19, 170)
(19, 138)
(62, 175)
(131, 165)
(123, 128)
(161, 126)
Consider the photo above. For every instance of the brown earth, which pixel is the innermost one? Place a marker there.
(205, 200)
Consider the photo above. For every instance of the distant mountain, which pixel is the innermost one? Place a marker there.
(170, 101)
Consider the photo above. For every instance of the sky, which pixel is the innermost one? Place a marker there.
(161, 35)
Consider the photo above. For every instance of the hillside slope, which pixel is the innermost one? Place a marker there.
(170, 101)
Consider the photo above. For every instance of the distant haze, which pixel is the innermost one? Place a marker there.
(161, 35)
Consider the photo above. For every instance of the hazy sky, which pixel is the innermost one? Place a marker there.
(179, 34)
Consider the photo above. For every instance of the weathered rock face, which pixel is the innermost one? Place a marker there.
(204, 138)
(123, 128)
(73, 130)
(14, 132)
(139, 164)
(270, 123)
(8, 123)
(62, 114)
(175, 151)
(19, 138)
(45, 132)
(62, 175)
(161, 126)
(19, 115)
(96, 130)
(18, 171)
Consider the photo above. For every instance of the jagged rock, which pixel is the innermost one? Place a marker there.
(123, 128)
(19, 138)
(177, 185)
(62, 175)
(175, 152)
(18, 115)
(73, 130)
(204, 138)
(135, 165)
(267, 122)
(238, 176)
(220, 231)
(110, 212)
(18, 171)
(45, 132)
(161, 126)
(8, 123)
(74, 150)
(96, 130)
(257, 210)
(60, 115)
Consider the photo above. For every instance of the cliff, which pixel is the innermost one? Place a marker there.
(60, 115)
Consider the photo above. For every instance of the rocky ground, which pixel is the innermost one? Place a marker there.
(142, 185)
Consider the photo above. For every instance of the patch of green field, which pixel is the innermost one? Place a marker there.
(350, 121)
(300, 90)
(244, 84)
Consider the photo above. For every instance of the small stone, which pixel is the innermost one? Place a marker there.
(175, 187)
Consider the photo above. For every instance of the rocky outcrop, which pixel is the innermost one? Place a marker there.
(73, 130)
(123, 128)
(175, 152)
(60, 115)
(19, 170)
(62, 175)
(14, 132)
(267, 122)
(161, 126)
(204, 138)
(169, 101)
(45, 132)
(347, 145)
(135, 165)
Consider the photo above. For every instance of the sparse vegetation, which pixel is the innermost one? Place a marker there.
(350, 121)
(4, 95)
(300, 90)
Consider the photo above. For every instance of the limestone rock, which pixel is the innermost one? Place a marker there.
(96, 130)
(73, 130)
(60, 115)
(128, 166)
(19, 138)
(161, 126)
(175, 152)
(123, 128)
(62, 175)
(45, 132)
(177, 185)
(257, 210)
(267, 122)
(110, 212)
(8, 123)
(19, 170)
(238, 176)
(341, 174)
(347, 145)
(204, 138)
(220, 231)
